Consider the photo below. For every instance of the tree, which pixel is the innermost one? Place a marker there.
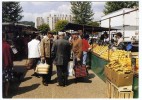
(96, 24)
(11, 12)
(44, 28)
(116, 5)
(60, 25)
(54, 32)
(27, 23)
(83, 14)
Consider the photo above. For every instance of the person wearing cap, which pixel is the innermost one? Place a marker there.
(61, 52)
(45, 47)
(76, 47)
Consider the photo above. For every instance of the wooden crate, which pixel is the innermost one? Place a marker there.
(118, 92)
(108, 92)
(115, 93)
(122, 88)
(125, 94)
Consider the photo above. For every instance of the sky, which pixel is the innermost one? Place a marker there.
(32, 9)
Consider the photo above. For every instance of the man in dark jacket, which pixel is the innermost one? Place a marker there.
(61, 52)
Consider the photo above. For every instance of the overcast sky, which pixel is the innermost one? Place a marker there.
(31, 9)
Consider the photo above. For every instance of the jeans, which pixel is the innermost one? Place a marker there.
(84, 57)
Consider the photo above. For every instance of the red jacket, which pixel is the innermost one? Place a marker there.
(85, 45)
(6, 55)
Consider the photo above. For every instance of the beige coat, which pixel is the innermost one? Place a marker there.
(77, 48)
(45, 47)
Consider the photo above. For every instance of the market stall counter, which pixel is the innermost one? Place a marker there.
(98, 64)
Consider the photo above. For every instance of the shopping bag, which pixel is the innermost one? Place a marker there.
(80, 71)
(14, 50)
(70, 68)
(42, 68)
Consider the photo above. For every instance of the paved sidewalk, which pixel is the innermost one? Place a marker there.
(31, 87)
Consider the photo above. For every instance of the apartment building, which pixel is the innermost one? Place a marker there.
(51, 19)
(39, 21)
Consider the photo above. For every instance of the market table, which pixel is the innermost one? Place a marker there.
(97, 65)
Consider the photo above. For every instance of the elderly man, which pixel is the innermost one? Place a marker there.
(61, 51)
(45, 47)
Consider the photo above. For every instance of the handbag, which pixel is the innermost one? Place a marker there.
(80, 70)
(42, 68)
(14, 50)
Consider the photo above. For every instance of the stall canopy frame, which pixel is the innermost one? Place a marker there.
(72, 26)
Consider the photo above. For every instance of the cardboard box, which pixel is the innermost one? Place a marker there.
(108, 72)
(121, 79)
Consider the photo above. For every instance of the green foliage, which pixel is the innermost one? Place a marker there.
(82, 12)
(116, 5)
(60, 25)
(27, 23)
(11, 12)
(44, 28)
(96, 24)
(54, 32)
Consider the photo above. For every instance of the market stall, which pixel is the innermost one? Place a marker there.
(105, 62)
(118, 68)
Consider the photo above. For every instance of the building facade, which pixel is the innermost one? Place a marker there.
(52, 19)
(39, 21)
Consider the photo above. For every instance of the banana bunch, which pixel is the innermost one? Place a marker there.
(125, 61)
(106, 54)
(137, 65)
(99, 49)
(119, 54)
(120, 67)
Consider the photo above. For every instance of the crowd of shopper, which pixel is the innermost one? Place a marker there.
(51, 50)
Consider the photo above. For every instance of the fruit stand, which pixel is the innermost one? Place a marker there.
(115, 68)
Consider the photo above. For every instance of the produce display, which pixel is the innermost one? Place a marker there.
(100, 49)
(120, 60)
(117, 54)
(121, 66)
(105, 52)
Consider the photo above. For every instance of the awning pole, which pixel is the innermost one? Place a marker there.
(91, 36)
(123, 25)
(109, 36)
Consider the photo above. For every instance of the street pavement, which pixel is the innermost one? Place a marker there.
(32, 87)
